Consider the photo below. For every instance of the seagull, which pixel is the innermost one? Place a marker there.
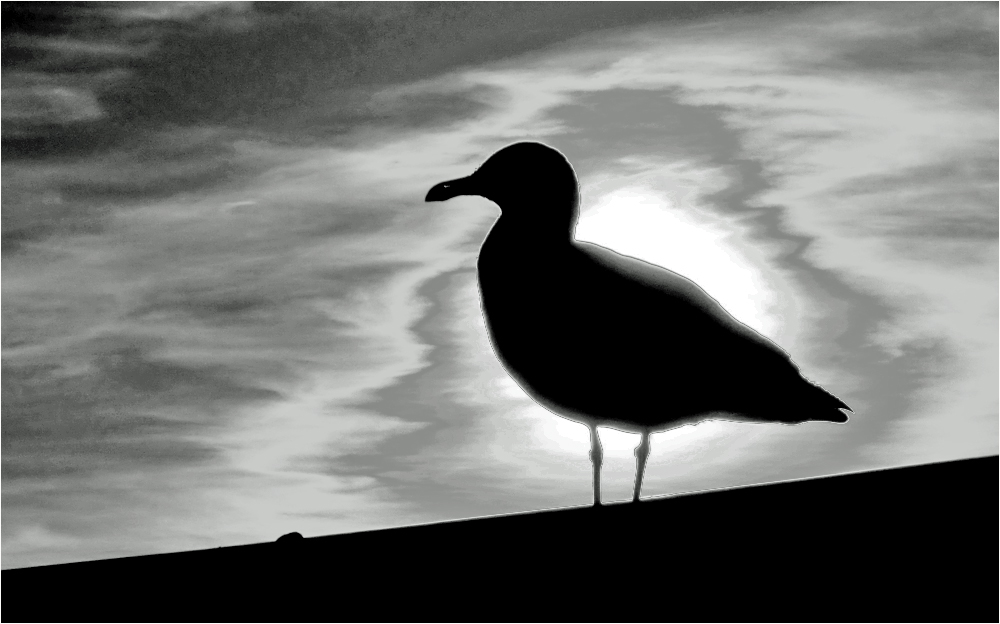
(604, 339)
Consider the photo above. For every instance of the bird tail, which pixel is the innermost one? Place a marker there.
(816, 404)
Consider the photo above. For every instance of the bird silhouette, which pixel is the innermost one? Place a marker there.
(608, 340)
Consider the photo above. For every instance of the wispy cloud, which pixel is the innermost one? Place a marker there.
(69, 56)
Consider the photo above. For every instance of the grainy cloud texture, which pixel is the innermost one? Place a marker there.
(228, 313)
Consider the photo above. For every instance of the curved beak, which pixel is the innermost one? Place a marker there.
(452, 188)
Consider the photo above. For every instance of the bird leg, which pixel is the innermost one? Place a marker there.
(641, 453)
(597, 458)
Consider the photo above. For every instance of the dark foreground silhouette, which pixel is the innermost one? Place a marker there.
(608, 340)
(912, 544)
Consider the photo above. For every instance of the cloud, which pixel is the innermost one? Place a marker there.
(274, 59)
(67, 57)
(109, 401)
(931, 38)
(42, 104)
(213, 340)
(45, 197)
(946, 200)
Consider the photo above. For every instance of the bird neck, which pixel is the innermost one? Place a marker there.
(528, 233)
(543, 219)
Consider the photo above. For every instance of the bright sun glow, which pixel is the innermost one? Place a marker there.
(643, 224)
(575, 438)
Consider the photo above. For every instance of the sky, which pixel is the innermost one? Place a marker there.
(228, 313)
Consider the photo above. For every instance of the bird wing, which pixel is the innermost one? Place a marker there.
(676, 300)
(672, 320)
(667, 318)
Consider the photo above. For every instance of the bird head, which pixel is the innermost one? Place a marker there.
(527, 180)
